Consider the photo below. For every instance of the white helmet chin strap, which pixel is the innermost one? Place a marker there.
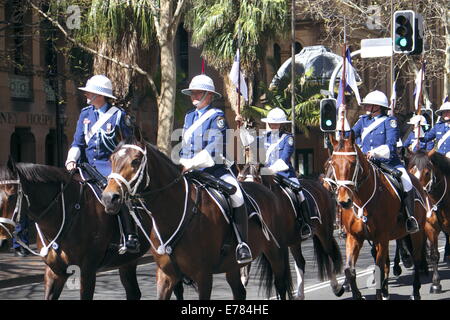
(201, 100)
(90, 101)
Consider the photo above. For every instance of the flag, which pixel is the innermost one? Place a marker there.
(235, 75)
(350, 79)
(393, 98)
(418, 88)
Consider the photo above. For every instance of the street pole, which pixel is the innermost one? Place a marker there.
(58, 119)
(293, 79)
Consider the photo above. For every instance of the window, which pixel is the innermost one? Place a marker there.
(305, 161)
(23, 145)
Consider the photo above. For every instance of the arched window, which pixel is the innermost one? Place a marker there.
(51, 156)
(23, 145)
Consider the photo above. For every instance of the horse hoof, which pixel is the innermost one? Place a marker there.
(436, 289)
(397, 271)
(413, 297)
(346, 288)
(386, 297)
(338, 292)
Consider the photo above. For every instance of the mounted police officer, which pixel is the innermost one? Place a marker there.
(420, 128)
(279, 146)
(204, 133)
(441, 131)
(95, 140)
(379, 135)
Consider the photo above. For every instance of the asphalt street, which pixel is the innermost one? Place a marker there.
(108, 286)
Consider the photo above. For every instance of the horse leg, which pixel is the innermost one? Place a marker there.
(353, 246)
(87, 282)
(397, 269)
(129, 280)
(296, 251)
(432, 235)
(234, 280)
(165, 285)
(380, 266)
(447, 249)
(417, 246)
(53, 284)
(204, 283)
(178, 290)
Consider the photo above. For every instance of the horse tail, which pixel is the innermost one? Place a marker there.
(266, 276)
(324, 258)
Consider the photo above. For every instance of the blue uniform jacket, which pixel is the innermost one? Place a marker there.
(386, 133)
(283, 151)
(437, 132)
(102, 144)
(423, 145)
(211, 135)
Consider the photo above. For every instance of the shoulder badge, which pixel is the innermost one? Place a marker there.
(393, 123)
(220, 122)
(291, 141)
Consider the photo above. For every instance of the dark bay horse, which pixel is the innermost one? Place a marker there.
(371, 210)
(190, 235)
(433, 171)
(70, 217)
(327, 253)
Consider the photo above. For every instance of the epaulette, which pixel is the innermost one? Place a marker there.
(85, 108)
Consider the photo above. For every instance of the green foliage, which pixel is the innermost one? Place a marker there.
(307, 102)
(215, 27)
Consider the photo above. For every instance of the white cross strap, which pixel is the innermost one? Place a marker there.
(442, 140)
(100, 122)
(273, 146)
(188, 133)
(372, 127)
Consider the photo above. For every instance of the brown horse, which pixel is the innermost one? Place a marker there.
(378, 217)
(193, 237)
(327, 251)
(70, 217)
(433, 171)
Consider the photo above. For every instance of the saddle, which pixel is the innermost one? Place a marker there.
(94, 179)
(292, 189)
(220, 191)
(393, 176)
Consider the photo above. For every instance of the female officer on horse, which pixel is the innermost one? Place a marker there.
(203, 149)
(95, 140)
(279, 146)
(379, 135)
(441, 131)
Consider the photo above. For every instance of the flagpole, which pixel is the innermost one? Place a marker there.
(343, 79)
(419, 105)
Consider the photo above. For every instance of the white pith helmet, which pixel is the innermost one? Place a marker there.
(418, 119)
(445, 107)
(276, 115)
(201, 83)
(377, 98)
(99, 84)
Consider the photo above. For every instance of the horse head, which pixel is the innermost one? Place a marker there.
(348, 165)
(421, 167)
(9, 190)
(249, 172)
(129, 169)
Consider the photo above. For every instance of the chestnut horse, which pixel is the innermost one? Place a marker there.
(328, 255)
(433, 171)
(190, 236)
(77, 232)
(371, 210)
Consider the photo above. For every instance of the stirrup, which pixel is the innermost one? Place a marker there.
(123, 249)
(415, 227)
(245, 259)
(308, 234)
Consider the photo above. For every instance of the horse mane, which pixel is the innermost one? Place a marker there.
(420, 160)
(39, 173)
(441, 162)
(6, 174)
(132, 140)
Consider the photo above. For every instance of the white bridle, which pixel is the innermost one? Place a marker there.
(138, 176)
(17, 209)
(354, 181)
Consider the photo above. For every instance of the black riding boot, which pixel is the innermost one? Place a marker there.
(411, 223)
(305, 219)
(130, 230)
(243, 252)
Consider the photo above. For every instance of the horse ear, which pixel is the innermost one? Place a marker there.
(352, 137)
(333, 140)
(138, 134)
(11, 164)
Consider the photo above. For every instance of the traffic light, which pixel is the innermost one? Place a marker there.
(328, 115)
(403, 24)
(407, 32)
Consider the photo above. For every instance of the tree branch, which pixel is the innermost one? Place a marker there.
(95, 52)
